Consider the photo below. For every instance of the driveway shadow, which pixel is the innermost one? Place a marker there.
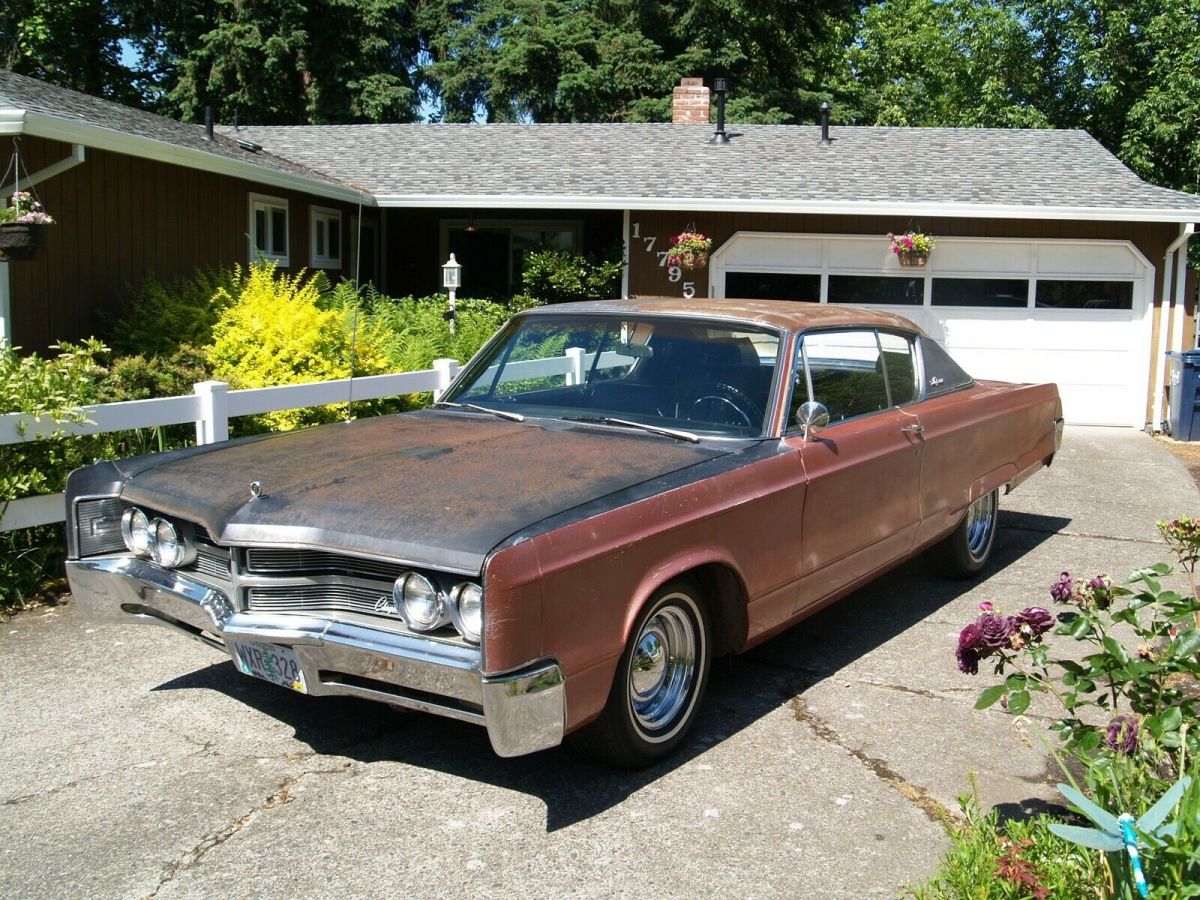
(741, 691)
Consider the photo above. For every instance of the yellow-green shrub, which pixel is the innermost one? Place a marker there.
(157, 317)
(283, 329)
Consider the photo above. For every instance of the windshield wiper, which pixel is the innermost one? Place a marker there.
(641, 426)
(498, 413)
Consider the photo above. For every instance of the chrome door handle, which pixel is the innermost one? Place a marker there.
(913, 429)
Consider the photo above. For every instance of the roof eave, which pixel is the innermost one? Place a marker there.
(20, 121)
(811, 207)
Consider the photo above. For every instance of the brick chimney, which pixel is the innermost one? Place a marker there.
(689, 104)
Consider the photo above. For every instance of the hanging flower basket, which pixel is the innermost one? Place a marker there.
(689, 250)
(912, 248)
(21, 224)
(19, 240)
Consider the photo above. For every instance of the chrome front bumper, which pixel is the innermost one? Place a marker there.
(524, 711)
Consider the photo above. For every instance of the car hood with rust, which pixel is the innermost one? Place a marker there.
(433, 488)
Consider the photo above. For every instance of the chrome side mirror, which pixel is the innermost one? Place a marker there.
(812, 417)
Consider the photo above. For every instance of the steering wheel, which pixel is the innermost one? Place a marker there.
(719, 404)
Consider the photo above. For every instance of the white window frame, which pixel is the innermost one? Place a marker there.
(329, 218)
(268, 204)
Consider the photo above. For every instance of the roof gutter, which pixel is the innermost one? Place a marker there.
(818, 207)
(78, 155)
(1170, 301)
(56, 128)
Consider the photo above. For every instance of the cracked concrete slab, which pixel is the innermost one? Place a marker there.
(138, 764)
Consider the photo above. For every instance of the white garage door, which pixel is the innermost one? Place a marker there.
(1071, 312)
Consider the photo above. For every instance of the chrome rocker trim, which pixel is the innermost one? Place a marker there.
(523, 711)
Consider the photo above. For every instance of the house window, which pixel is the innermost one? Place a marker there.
(269, 229)
(325, 238)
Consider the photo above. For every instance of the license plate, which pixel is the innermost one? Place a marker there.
(270, 662)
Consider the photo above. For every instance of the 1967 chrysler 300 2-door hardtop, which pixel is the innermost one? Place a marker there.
(608, 496)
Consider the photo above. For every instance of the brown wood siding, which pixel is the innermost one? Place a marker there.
(119, 219)
(413, 242)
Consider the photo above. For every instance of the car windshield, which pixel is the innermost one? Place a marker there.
(694, 377)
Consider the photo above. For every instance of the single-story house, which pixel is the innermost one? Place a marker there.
(1053, 260)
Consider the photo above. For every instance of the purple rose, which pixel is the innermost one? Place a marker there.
(1122, 734)
(969, 640)
(1098, 591)
(1036, 619)
(995, 631)
(968, 661)
(1061, 590)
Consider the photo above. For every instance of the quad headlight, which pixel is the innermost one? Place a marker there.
(425, 607)
(419, 603)
(466, 609)
(135, 531)
(158, 539)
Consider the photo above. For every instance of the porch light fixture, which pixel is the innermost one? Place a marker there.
(451, 281)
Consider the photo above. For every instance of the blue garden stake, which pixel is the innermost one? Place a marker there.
(1125, 820)
(1116, 833)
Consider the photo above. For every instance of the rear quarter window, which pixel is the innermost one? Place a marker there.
(942, 374)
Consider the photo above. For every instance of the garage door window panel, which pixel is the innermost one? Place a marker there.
(773, 285)
(1063, 294)
(981, 292)
(876, 289)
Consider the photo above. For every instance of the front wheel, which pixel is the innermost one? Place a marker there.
(965, 552)
(659, 683)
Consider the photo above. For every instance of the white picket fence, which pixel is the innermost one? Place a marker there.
(210, 408)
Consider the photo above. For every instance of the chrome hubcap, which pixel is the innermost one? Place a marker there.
(663, 669)
(981, 521)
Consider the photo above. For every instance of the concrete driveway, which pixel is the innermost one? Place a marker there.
(138, 764)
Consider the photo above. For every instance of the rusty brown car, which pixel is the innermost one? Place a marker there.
(608, 496)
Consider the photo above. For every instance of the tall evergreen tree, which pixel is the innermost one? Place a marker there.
(279, 61)
(73, 43)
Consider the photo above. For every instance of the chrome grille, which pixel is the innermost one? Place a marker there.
(280, 560)
(314, 598)
(211, 560)
(99, 523)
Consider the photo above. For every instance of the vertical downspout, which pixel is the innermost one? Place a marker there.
(1180, 300)
(625, 240)
(1164, 323)
(5, 306)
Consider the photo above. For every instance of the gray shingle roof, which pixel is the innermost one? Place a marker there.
(970, 170)
(30, 95)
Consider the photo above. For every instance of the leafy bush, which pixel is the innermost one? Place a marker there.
(416, 331)
(1130, 717)
(52, 388)
(283, 329)
(1016, 859)
(161, 316)
(559, 276)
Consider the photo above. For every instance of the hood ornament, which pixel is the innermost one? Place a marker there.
(256, 490)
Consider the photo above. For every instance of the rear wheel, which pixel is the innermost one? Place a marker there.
(965, 552)
(659, 683)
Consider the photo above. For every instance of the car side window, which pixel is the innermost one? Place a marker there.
(854, 372)
(899, 367)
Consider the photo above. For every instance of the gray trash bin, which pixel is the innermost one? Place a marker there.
(1183, 395)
